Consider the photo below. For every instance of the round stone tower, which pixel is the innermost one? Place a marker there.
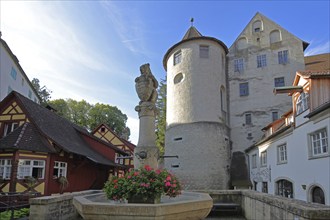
(197, 112)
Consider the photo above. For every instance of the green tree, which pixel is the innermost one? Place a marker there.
(61, 107)
(79, 112)
(90, 116)
(161, 117)
(111, 116)
(43, 92)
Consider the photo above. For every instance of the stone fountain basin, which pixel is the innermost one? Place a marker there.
(189, 205)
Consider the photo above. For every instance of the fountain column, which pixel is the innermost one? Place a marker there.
(146, 151)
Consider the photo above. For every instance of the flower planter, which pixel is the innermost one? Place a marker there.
(143, 200)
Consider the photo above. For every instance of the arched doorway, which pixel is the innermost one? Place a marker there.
(284, 188)
(318, 195)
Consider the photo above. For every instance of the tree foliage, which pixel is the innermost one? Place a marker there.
(161, 117)
(43, 92)
(90, 116)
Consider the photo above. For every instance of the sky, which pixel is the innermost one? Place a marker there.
(92, 50)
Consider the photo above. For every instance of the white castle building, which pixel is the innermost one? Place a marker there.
(197, 125)
(219, 99)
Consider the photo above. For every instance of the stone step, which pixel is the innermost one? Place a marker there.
(226, 209)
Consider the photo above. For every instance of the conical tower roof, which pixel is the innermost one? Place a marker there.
(191, 33)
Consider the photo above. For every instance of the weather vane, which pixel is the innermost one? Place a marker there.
(192, 21)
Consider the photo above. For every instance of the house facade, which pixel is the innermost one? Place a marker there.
(12, 75)
(38, 148)
(293, 159)
(263, 56)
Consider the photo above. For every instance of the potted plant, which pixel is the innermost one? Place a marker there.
(144, 185)
(64, 183)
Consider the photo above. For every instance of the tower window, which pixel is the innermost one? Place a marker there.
(177, 57)
(178, 78)
(203, 51)
(244, 89)
(248, 119)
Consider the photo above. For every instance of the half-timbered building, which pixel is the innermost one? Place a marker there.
(38, 148)
(105, 133)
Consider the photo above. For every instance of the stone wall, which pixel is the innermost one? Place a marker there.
(57, 207)
(256, 205)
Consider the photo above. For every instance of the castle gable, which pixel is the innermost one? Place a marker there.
(263, 32)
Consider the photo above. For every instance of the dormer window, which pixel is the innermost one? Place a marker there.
(302, 102)
(9, 127)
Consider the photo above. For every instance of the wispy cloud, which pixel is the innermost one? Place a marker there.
(320, 48)
(128, 26)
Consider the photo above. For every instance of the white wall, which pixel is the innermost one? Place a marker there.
(20, 84)
(299, 169)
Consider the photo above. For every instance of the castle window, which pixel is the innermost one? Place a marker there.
(60, 169)
(318, 143)
(261, 60)
(275, 36)
(102, 129)
(34, 168)
(5, 168)
(244, 89)
(281, 154)
(263, 159)
(302, 102)
(279, 82)
(203, 51)
(13, 73)
(178, 78)
(239, 65)
(257, 26)
(242, 43)
(177, 57)
(283, 57)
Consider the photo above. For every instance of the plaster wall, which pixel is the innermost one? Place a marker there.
(197, 96)
(304, 171)
(260, 102)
